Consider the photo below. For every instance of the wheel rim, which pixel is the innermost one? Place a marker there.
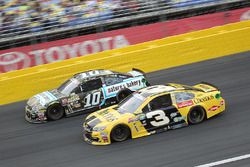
(119, 133)
(196, 116)
(55, 113)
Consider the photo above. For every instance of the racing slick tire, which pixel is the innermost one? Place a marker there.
(123, 94)
(120, 133)
(196, 115)
(55, 112)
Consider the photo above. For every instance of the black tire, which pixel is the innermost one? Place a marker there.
(55, 112)
(123, 94)
(120, 133)
(196, 115)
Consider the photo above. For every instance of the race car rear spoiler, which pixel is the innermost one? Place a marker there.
(136, 69)
(206, 87)
(206, 83)
(137, 72)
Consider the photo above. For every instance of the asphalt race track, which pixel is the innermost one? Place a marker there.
(59, 144)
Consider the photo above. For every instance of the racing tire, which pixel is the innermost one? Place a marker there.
(55, 112)
(123, 94)
(120, 133)
(196, 115)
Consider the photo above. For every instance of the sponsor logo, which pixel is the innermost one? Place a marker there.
(116, 88)
(140, 117)
(203, 99)
(173, 114)
(22, 59)
(214, 108)
(245, 16)
(107, 115)
(179, 119)
(185, 104)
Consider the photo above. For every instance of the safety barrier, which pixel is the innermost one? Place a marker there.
(149, 56)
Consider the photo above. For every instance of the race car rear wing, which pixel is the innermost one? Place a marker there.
(136, 72)
(206, 87)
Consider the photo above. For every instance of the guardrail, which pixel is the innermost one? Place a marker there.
(150, 56)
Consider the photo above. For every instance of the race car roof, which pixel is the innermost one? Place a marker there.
(92, 73)
(156, 89)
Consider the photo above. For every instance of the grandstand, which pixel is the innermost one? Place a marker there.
(25, 21)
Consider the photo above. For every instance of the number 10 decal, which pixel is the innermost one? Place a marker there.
(92, 99)
(159, 117)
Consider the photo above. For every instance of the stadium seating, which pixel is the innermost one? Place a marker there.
(26, 16)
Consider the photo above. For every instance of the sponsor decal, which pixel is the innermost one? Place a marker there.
(45, 98)
(23, 57)
(203, 99)
(76, 105)
(72, 98)
(116, 88)
(140, 117)
(179, 119)
(64, 101)
(41, 116)
(135, 126)
(107, 115)
(214, 108)
(173, 114)
(185, 104)
(178, 125)
(104, 136)
(132, 120)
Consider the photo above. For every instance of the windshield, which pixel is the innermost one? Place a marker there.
(68, 86)
(131, 104)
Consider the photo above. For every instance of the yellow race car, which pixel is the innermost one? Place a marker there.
(152, 110)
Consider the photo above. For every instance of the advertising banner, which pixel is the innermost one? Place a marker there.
(33, 55)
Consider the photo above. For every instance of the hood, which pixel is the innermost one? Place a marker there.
(45, 98)
(104, 115)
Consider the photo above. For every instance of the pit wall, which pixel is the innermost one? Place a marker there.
(150, 56)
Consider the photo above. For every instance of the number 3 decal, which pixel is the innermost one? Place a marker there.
(92, 99)
(159, 116)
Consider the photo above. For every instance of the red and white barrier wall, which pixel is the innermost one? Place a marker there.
(44, 53)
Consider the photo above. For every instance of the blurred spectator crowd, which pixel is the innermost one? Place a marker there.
(19, 17)
(27, 16)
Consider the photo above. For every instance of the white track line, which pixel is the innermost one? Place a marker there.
(225, 161)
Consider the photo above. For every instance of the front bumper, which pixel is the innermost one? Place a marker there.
(95, 138)
(34, 117)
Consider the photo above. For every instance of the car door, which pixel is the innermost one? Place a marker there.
(87, 95)
(160, 113)
(91, 94)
